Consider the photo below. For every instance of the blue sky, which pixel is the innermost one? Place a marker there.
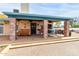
(9, 6)
(54, 9)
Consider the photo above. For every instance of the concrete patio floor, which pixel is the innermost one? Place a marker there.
(31, 39)
(27, 39)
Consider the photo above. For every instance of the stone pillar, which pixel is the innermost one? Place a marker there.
(12, 29)
(66, 28)
(45, 29)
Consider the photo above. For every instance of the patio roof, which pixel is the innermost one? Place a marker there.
(34, 16)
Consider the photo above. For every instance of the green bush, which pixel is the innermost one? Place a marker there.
(75, 25)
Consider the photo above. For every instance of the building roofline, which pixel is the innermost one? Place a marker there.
(26, 16)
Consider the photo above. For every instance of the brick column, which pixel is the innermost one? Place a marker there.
(45, 29)
(12, 29)
(66, 28)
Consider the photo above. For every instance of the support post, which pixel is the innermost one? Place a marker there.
(12, 29)
(45, 29)
(66, 28)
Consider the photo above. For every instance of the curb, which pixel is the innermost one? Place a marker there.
(5, 50)
(42, 43)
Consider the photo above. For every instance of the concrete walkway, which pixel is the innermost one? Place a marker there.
(64, 48)
(60, 49)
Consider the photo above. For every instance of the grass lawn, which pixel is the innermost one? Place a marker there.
(2, 47)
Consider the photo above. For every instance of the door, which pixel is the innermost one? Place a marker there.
(33, 28)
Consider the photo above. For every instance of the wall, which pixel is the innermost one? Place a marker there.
(22, 24)
(6, 29)
(23, 27)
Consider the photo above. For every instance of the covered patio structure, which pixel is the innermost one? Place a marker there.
(14, 17)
